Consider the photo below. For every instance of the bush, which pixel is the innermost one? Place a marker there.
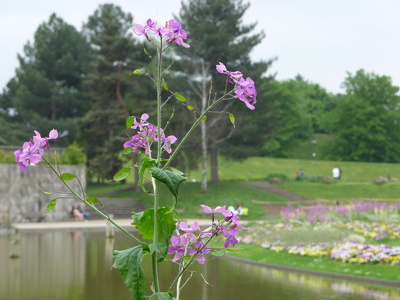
(276, 177)
(318, 178)
(6, 158)
(73, 155)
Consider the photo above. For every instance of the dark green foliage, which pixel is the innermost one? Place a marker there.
(365, 122)
(73, 155)
(216, 34)
(281, 176)
(45, 93)
(110, 88)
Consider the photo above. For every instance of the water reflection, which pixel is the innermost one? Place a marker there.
(77, 265)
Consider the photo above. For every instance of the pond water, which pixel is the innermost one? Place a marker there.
(77, 265)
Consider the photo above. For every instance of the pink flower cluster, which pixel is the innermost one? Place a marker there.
(245, 89)
(172, 31)
(147, 133)
(31, 152)
(191, 242)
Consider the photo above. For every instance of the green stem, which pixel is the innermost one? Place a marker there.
(189, 263)
(195, 124)
(154, 181)
(89, 204)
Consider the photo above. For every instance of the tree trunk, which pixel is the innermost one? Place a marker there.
(214, 163)
(203, 157)
(203, 127)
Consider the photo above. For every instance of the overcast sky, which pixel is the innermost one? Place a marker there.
(319, 39)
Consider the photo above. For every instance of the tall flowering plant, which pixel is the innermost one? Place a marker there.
(169, 235)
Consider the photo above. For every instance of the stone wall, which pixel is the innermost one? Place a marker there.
(21, 197)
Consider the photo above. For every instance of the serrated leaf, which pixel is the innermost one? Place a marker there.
(159, 296)
(92, 200)
(67, 176)
(122, 174)
(137, 71)
(147, 162)
(129, 122)
(189, 107)
(180, 98)
(232, 118)
(176, 171)
(144, 223)
(164, 84)
(170, 179)
(51, 205)
(129, 264)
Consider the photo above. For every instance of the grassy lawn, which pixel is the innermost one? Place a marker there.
(344, 190)
(257, 168)
(356, 184)
(222, 193)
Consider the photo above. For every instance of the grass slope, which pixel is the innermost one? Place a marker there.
(257, 168)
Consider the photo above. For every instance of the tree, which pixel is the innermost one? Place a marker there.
(366, 122)
(46, 91)
(281, 121)
(216, 35)
(111, 86)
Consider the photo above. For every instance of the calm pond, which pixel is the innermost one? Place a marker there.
(77, 265)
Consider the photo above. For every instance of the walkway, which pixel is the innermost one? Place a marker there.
(91, 225)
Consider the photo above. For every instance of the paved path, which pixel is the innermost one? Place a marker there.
(87, 226)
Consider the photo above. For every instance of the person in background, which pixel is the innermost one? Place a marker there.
(336, 173)
(85, 214)
(75, 213)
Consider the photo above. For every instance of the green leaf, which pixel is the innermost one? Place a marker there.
(180, 98)
(137, 71)
(92, 200)
(232, 118)
(129, 122)
(129, 264)
(47, 193)
(51, 205)
(217, 252)
(147, 162)
(67, 176)
(170, 179)
(122, 174)
(144, 223)
(189, 107)
(127, 151)
(145, 51)
(164, 84)
(204, 118)
(176, 171)
(159, 296)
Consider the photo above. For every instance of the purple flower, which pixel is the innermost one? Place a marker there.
(31, 152)
(147, 133)
(172, 32)
(209, 210)
(230, 237)
(177, 247)
(245, 90)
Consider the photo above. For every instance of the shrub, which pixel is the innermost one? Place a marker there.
(6, 158)
(73, 155)
(276, 177)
